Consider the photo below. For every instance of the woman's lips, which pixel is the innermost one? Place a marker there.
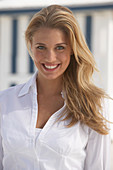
(50, 67)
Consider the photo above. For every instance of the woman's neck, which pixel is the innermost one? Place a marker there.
(49, 87)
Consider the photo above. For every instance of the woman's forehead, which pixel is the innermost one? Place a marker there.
(53, 34)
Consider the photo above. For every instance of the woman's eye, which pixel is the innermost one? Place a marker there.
(40, 47)
(60, 48)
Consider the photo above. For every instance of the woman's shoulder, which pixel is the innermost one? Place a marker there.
(11, 91)
(18, 90)
(105, 103)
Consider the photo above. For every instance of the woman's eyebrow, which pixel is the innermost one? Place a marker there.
(40, 43)
(62, 43)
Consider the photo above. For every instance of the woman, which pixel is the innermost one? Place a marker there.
(55, 121)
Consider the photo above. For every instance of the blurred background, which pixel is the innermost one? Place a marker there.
(96, 21)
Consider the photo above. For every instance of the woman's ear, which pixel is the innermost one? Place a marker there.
(31, 50)
(72, 52)
(30, 46)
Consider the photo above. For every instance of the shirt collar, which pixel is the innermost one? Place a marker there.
(31, 84)
(26, 87)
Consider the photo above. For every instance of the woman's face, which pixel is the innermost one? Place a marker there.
(51, 52)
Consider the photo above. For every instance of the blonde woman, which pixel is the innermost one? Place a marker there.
(55, 121)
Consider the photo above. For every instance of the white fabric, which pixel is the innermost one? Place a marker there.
(56, 148)
(37, 133)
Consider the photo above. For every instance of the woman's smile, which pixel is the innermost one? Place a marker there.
(51, 67)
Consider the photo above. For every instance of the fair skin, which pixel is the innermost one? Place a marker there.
(51, 54)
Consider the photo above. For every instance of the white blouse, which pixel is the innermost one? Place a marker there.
(37, 133)
(55, 147)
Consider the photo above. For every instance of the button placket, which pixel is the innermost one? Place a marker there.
(34, 111)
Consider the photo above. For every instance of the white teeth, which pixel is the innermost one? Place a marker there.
(50, 67)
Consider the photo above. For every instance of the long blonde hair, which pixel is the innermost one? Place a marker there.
(83, 98)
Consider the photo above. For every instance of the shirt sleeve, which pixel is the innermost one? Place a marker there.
(1, 149)
(98, 151)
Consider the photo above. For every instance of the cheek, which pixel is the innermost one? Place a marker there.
(36, 55)
(66, 59)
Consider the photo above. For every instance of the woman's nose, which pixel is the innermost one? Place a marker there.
(50, 56)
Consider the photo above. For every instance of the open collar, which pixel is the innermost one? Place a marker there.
(30, 84)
